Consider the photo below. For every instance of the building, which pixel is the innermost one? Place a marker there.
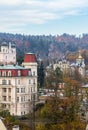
(18, 85)
(79, 65)
(7, 53)
(69, 68)
(63, 64)
(2, 126)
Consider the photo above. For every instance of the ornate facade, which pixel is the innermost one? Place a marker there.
(18, 85)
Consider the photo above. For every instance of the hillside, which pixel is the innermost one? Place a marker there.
(46, 46)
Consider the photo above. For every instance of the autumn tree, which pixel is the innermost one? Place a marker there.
(52, 80)
(72, 90)
(51, 111)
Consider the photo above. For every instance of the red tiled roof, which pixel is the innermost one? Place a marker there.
(29, 57)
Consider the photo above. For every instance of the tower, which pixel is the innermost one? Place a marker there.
(80, 64)
(7, 53)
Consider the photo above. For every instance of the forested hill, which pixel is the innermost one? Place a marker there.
(46, 46)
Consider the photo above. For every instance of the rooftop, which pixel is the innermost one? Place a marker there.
(11, 67)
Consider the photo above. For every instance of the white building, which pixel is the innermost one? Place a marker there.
(63, 64)
(2, 126)
(18, 86)
(7, 53)
(79, 65)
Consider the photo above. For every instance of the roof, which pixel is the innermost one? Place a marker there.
(85, 86)
(4, 44)
(80, 57)
(29, 57)
(11, 67)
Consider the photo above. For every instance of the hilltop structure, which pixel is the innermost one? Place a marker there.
(18, 84)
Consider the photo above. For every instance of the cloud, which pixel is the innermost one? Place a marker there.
(20, 13)
(9, 2)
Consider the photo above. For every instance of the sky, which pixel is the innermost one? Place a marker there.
(44, 17)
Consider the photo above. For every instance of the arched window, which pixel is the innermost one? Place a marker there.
(9, 73)
(3, 73)
(19, 73)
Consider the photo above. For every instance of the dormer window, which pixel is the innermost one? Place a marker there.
(9, 73)
(19, 73)
(3, 73)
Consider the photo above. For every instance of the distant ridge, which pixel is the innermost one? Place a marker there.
(46, 46)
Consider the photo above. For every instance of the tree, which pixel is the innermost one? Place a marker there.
(72, 89)
(41, 74)
(51, 111)
(52, 80)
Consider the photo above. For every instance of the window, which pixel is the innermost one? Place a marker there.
(34, 89)
(33, 81)
(4, 98)
(9, 82)
(17, 99)
(29, 73)
(0, 73)
(4, 82)
(3, 105)
(19, 73)
(9, 98)
(31, 89)
(3, 73)
(33, 73)
(22, 90)
(4, 89)
(3, 50)
(29, 81)
(17, 90)
(9, 90)
(22, 99)
(9, 73)
(18, 81)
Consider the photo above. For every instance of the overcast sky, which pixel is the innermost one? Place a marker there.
(39, 17)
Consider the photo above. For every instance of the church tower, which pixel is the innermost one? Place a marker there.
(80, 64)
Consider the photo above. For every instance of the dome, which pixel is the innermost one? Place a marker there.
(4, 44)
(79, 57)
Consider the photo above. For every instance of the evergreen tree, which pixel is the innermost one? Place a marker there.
(41, 74)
